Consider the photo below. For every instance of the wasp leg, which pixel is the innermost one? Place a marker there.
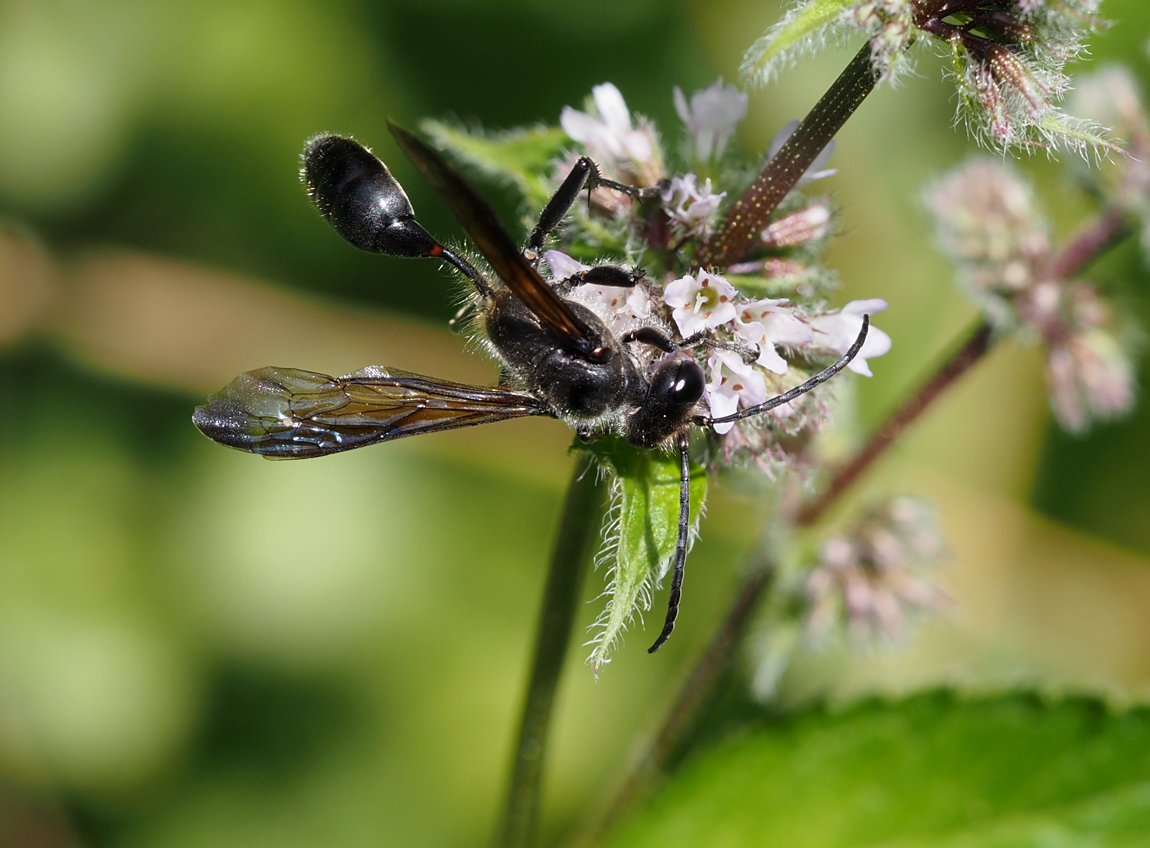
(650, 336)
(602, 275)
(584, 175)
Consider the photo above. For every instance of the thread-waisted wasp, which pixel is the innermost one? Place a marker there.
(558, 358)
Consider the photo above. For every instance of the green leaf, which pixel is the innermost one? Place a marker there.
(1077, 135)
(521, 157)
(641, 531)
(800, 30)
(934, 771)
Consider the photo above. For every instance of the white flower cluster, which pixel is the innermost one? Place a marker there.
(743, 343)
(877, 574)
(992, 227)
(705, 303)
(742, 338)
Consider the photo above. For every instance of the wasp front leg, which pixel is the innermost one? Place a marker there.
(584, 175)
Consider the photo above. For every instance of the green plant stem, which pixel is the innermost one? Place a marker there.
(751, 213)
(695, 693)
(574, 544)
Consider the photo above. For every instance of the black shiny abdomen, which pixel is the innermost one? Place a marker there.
(361, 199)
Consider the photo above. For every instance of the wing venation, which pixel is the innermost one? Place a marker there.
(286, 413)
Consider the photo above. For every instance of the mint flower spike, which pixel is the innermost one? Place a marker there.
(990, 224)
(874, 577)
(1112, 97)
(1091, 378)
(1007, 59)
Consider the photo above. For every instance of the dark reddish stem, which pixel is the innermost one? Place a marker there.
(975, 347)
(1090, 242)
(751, 213)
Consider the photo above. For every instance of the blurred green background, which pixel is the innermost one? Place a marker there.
(198, 648)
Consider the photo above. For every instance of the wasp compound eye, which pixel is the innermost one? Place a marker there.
(688, 383)
(360, 198)
(677, 382)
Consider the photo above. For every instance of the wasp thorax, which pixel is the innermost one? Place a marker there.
(578, 385)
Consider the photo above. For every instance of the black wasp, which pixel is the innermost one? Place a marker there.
(558, 358)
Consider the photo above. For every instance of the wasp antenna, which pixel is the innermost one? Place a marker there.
(679, 567)
(801, 389)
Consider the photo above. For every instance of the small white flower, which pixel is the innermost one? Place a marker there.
(700, 303)
(1090, 378)
(690, 204)
(837, 331)
(711, 117)
(734, 384)
(609, 136)
(769, 322)
(562, 266)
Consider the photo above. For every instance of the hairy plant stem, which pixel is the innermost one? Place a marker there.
(574, 546)
(748, 216)
(701, 684)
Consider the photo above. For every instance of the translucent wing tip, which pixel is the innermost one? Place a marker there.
(222, 420)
